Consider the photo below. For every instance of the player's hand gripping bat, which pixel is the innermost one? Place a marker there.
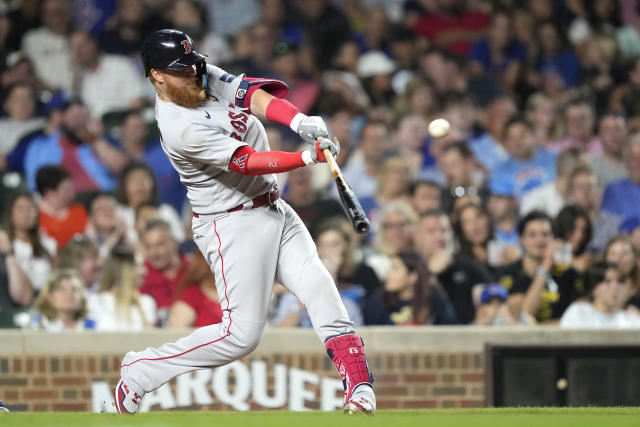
(350, 202)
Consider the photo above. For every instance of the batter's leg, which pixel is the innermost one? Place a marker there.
(244, 267)
(302, 272)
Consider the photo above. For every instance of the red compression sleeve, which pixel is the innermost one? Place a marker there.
(281, 111)
(246, 161)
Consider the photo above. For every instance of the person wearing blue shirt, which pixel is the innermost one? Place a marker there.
(621, 197)
(528, 166)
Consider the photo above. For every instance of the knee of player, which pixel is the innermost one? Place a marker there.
(246, 340)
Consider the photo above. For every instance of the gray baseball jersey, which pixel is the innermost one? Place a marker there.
(200, 142)
(247, 250)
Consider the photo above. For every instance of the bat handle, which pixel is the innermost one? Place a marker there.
(333, 165)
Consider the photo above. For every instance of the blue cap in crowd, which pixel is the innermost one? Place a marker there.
(501, 187)
(491, 291)
(629, 224)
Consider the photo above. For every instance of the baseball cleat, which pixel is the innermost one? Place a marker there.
(362, 401)
(126, 399)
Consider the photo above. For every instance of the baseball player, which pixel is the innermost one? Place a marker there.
(249, 236)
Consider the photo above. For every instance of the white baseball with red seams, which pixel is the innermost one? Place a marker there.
(247, 249)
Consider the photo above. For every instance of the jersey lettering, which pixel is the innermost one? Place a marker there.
(239, 126)
(241, 116)
(236, 136)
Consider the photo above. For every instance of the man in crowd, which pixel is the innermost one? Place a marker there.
(457, 274)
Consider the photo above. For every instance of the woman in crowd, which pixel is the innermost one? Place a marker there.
(81, 255)
(410, 296)
(197, 302)
(136, 187)
(32, 249)
(394, 180)
(105, 227)
(62, 304)
(118, 306)
(604, 282)
(474, 231)
(619, 251)
(574, 228)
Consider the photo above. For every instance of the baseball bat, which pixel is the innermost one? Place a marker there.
(350, 202)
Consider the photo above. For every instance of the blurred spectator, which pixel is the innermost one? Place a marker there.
(139, 146)
(474, 233)
(81, 255)
(197, 303)
(619, 251)
(165, 266)
(573, 227)
(20, 106)
(609, 167)
(541, 112)
(19, 69)
(137, 186)
(15, 287)
(105, 82)
(499, 55)
(105, 227)
(89, 159)
(394, 233)
(47, 47)
(374, 31)
(118, 306)
(537, 285)
(410, 296)
(394, 179)
(375, 70)
(628, 38)
(458, 274)
(308, 204)
(410, 139)
(303, 92)
(362, 169)
(336, 239)
(463, 177)
(31, 248)
(443, 70)
(127, 29)
(63, 304)
(551, 197)
(528, 166)
(631, 227)
(502, 206)
(578, 124)
(557, 66)
(425, 196)
(488, 147)
(60, 218)
(620, 197)
(452, 25)
(230, 18)
(583, 190)
(603, 282)
(493, 309)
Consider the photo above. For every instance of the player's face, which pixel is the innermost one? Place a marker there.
(183, 87)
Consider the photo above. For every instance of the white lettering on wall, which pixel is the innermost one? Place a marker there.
(198, 388)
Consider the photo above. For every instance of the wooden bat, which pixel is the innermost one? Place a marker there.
(350, 202)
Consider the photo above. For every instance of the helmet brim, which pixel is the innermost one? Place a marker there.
(187, 61)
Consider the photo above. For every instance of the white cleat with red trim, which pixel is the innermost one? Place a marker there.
(362, 401)
(126, 398)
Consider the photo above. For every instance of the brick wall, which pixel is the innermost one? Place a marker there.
(407, 380)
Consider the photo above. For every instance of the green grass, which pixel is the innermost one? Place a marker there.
(508, 417)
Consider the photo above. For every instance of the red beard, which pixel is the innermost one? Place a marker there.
(189, 96)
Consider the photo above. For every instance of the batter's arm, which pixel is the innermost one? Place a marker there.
(259, 102)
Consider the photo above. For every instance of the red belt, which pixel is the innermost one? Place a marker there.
(268, 198)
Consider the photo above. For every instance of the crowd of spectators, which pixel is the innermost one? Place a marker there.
(527, 212)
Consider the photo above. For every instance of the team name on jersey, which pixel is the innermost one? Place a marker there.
(239, 123)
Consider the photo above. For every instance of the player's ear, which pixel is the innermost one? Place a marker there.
(156, 76)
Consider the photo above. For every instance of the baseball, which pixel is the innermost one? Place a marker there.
(439, 128)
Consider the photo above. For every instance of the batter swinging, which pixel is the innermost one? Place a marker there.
(248, 235)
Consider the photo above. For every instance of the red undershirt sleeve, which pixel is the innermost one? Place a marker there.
(246, 161)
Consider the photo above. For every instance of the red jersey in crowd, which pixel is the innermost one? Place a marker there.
(208, 311)
(161, 287)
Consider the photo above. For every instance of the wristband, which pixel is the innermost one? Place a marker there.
(306, 158)
(541, 271)
(295, 122)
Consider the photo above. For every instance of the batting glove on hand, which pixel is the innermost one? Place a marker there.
(316, 154)
(311, 128)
